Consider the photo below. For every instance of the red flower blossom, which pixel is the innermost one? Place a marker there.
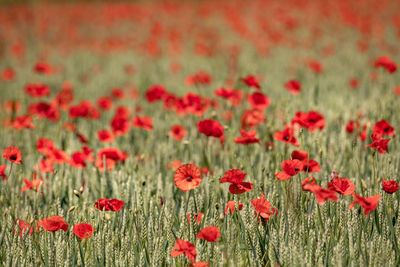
(232, 95)
(230, 206)
(43, 68)
(315, 66)
(309, 165)
(23, 227)
(37, 90)
(387, 63)
(252, 118)
(117, 93)
(120, 125)
(109, 204)
(290, 168)
(236, 177)
(83, 230)
(105, 103)
(34, 184)
(210, 128)
(263, 207)
(342, 185)
(12, 154)
(379, 143)
(174, 165)
(186, 248)
(53, 224)
(143, 122)
(258, 100)
(247, 137)
(287, 136)
(187, 177)
(354, 83)
(111, 155)
(368, 203)
(310, 120)
(23, 122)
(293, 86)
(251, 81)
(197, 217)
(84, 110)
(106, 136)
(321, 194)
(3, 172)
(7, 75)
(305, 182)
(382, 127)
(155, 93)
(200, 77)
(178, 132)
(209, 233)
(199, 264)
(390, 187)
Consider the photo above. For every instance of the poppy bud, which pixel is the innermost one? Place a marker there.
(81, 189)
(107, 216)
(76, 193)
(216, 206)
(71, 209)
(186, 142)
(221, 217)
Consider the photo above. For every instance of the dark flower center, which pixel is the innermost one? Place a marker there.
(13, 157)
(286, 138)
(189, 178)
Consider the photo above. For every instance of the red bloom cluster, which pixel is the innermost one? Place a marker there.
(109, 204)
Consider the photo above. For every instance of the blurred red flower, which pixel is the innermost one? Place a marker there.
(209, 233)
(12, 154)
(83, 230)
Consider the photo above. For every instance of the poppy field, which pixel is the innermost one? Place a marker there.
(200, 133)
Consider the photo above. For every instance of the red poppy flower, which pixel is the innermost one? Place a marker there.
(236, 177)
(43, 68)
(387, 63)
(232, 95)
(84, 110)
(37, 90)
(106, 136)
(252, 118)
(310, 120)
(105, 103)
(34, 184)
(117, 93)
(342, 185)
(23, 122)
(309, 165)
(390, 187)
(382, 127)
(230, 206)
(109, 204)
(263, 207)
(187, 177)
(287, 136)
(293, 86)
(122, 111)
(178, 132)
(315, 66)
(210, 128)
(174, 165)
(321, 194)
(83, 230)
(3, 172)
(155, 93)
(305, 182)
(186, 248)
(12, 154)
(205, 171)
(7, 75)
(23, 227)
(197, 217)
(120, 125)
(290, 168)
(209, 233)
(247, 137)
(354, 83)
(53, 224)
(143, 122)
(200, 77)
(111, 155)
(251, 81)
(368, 203)
(258, 100)
(379, 143)
(396, 90)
